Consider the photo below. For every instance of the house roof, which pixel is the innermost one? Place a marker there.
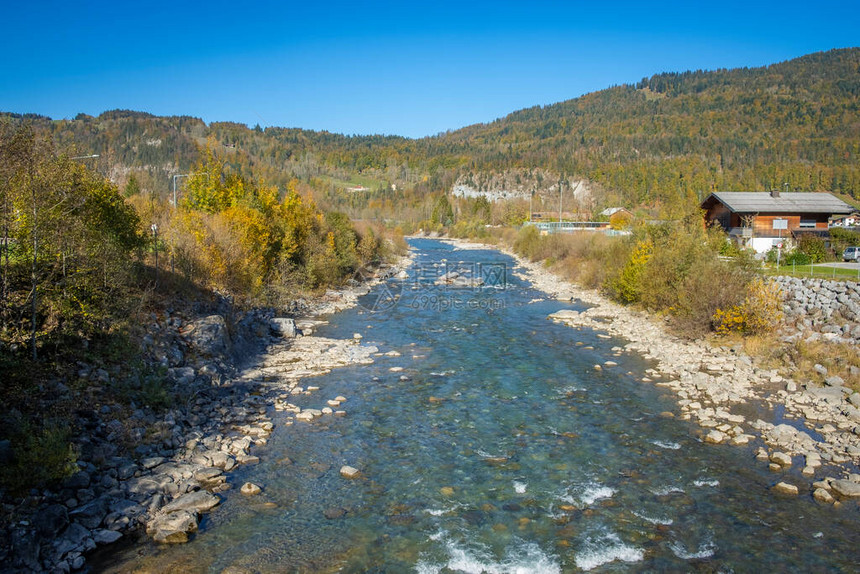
(609, 211)
(787, 202)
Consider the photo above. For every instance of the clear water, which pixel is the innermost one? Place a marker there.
(504, 452)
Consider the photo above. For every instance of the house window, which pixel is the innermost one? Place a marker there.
(807, 224)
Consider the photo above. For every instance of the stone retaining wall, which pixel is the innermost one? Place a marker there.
(822, 309)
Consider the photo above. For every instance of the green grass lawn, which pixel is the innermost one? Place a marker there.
(354, 181)
(821, 270)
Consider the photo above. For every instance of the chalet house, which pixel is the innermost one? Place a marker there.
(760, 220)
(846, 220)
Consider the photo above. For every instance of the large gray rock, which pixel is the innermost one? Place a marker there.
(172, 528)
(74, 538)
(102, 537)
(80, 479)
(91, 515)
(283, 327)
(786, 488)
(199, 501)
(834, 381)
(846, 488)
(182, 375)
(209, 335)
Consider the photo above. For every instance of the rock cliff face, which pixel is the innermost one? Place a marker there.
(519, 184)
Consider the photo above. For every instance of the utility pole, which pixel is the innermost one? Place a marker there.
(560, 184)
(174, 185)
(531, 197)
(154, 228)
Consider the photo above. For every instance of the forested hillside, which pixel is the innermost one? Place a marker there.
(796, 122)
(672, 136)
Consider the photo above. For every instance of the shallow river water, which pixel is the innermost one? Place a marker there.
(505, 451)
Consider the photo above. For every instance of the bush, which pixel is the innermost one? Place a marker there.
(626, 286)
(813, 247)
(41, 456)
(796, 257)
(712, 284)
(683, 275)
(759, 313)
(527, 242)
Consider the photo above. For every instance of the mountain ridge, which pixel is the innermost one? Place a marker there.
(668, 136)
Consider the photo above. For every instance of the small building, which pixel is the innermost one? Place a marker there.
(610, 211)
(846, 220)
(761, 220)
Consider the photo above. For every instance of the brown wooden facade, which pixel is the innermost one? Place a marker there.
(761, 223)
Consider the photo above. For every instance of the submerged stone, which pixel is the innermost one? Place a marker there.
(347, 471)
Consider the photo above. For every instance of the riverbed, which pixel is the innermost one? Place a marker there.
(487, 442)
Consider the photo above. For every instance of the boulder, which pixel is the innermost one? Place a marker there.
(74, 537)
(284, 327)
(199, 501)
(250, 489)
(172, 528)
(211, 474)
(787, 436)
(834, 381)
(822, 495)
(91, 515)
(349, 472)
(102, 536)
(785, 488)
(80, 479)
(846, 488)
(25, 550)
(209, 335)
(781, 459)
(715, 437)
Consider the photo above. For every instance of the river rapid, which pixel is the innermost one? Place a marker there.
(488, 442)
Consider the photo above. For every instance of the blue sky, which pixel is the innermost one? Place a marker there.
(406, 68)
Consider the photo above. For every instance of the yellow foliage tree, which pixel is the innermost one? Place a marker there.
(760, 312)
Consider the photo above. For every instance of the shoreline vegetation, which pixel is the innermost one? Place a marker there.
(120, 339)
(182, 457)
(172, 481)
(713, 382)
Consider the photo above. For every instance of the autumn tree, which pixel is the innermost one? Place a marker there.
(66, 230)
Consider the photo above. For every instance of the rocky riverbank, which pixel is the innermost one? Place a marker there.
(141, 471)
(814, 448)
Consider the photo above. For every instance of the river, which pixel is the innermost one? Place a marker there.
(499, 448)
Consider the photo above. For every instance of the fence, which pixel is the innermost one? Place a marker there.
(573, 226)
